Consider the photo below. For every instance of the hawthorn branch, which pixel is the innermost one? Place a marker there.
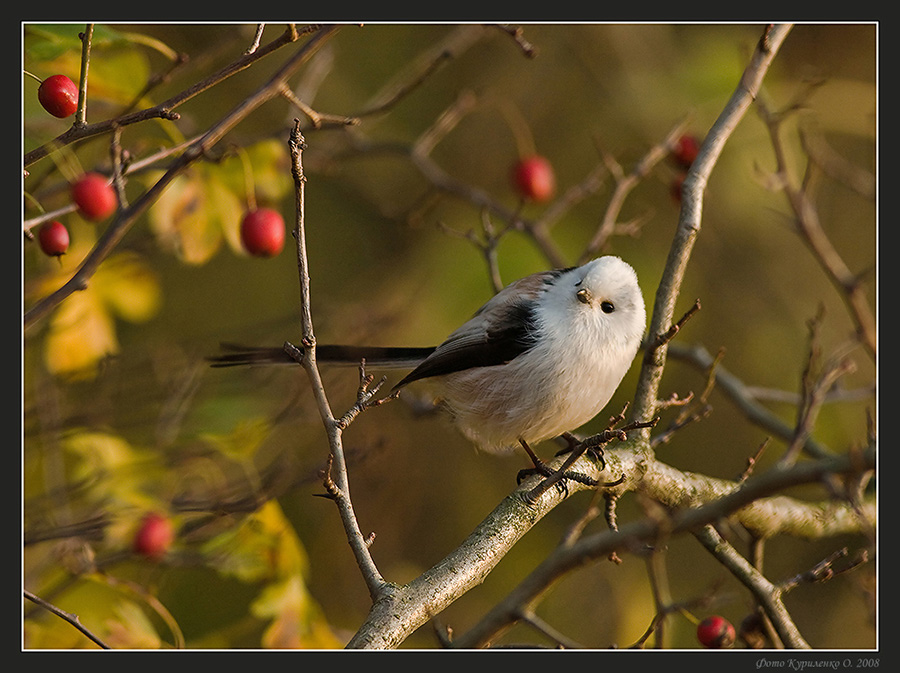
(81, 110)
(66, 616)
(697, 499)
(624, 184)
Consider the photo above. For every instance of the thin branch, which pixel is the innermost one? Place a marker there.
(81, 110)
(691, 210)
(768, 595)
(742, 396)
(453, 45)
(67, 616)
(814, 389)
(336, 477)
(517, 34)
(625, 183)
(808, 225)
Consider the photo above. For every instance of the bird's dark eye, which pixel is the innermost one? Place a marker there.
(607, 307)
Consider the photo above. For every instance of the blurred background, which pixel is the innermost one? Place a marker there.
(122, 415)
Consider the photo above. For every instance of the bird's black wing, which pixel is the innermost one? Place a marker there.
(492, 337)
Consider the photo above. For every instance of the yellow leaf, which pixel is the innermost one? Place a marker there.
(81, 330)
(181, 219)
(225, 211)
(271, 170)
(291, 557)
(102, 450)
(297, 620)
(129, 287)
(243, 441)
(263, 547)
(130, 628)
(81, 333)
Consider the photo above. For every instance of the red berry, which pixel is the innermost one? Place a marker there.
(59, 96)
(534, 179)
(685, 151)
(154, 537)
(54, 238)
(715, 632)
(94, 196)
(262, 232)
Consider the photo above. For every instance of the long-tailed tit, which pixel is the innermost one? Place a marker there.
(542, 357)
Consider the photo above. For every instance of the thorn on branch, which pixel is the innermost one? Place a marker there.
(296, 354)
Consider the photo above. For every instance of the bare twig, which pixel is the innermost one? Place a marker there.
(814, 388)
(81, 110)
(742, 396)
(336, 477)
(624, 184)
(806, 219)
(67, 616)
(517, 34)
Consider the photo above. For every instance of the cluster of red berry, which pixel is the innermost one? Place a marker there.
(95, 198)
(92, 192)
(262, 230)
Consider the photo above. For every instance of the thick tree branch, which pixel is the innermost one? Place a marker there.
(748, 503)
(698, 499)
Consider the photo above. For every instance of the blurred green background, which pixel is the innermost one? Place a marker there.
(152, 427)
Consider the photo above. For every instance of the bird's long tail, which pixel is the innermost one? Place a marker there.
(375, 356)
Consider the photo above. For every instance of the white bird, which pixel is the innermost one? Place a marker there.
(539, 359)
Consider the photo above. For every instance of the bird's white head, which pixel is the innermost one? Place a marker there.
(600, 298)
